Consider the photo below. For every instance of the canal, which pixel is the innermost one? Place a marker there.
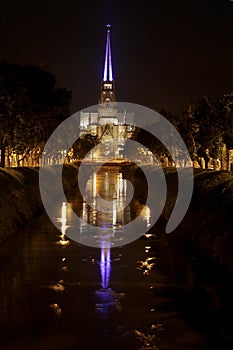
(57, 294)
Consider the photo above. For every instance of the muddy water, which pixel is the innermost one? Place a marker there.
(58, 294)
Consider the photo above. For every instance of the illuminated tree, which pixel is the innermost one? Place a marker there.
(31, 106)
(224, 120)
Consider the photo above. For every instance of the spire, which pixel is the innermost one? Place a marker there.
(108, 83)
(108, 76)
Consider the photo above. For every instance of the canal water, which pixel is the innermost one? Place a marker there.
(57, 294)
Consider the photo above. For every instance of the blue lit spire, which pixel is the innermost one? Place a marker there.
(108, 76)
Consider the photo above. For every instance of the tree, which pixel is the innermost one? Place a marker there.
(7, 124)
(185, 124)
(208, 136)
(83, 145)
(31, 107)
(224, 120)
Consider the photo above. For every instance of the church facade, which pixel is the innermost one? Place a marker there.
(110, 126)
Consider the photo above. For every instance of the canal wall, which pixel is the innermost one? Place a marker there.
(209, 219)
(208, 224)
(20, 199)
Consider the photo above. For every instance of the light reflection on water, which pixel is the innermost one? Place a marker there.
(112, 187)
(107, 299)
(105, 267)
(114, 213)
(64, 209)
(110, 301)
(146, 265)
(81, 295)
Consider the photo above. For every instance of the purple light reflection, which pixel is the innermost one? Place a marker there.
(107, 299)
(105, 267)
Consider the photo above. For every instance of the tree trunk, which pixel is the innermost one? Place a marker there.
(197, 162)
(207, 160)
(215, 164)
(3, 156)
(228, 160)
(22, 158)
(224, 158)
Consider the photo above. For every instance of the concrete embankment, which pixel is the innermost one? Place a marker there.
(209, 218)
(20, 199)
(208, 223)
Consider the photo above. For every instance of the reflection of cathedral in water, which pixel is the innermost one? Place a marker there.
(109, 185)
(110, 126)
(113, 188)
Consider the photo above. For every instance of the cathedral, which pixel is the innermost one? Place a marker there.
(110, 126)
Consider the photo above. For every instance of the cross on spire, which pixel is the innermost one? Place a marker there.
(108, 75)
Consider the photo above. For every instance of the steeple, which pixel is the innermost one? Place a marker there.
(107, 76)
(107, 83)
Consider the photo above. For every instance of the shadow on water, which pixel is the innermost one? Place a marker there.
(57, 294)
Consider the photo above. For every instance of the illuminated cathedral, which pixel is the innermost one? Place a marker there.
(110, 126)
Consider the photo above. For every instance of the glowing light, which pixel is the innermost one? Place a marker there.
(108, 86)
(56, 308)
(58, 287)
(146, 214)
(114, 213)
(148, 235)
(84, 212)
(146, 265)
(63, 217)
(148, 340)
(147, 248)
(106, 183)
(94, 184)
(63, 241)
(64, 268)
(120, 186)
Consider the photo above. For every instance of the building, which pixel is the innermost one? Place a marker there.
(111, 126)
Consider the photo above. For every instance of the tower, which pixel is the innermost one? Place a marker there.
(110, 126)
(108, 83)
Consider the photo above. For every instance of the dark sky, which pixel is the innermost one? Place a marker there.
(165, 53)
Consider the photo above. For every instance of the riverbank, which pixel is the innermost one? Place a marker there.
(198, 256)
(208, 222)
(20, 199)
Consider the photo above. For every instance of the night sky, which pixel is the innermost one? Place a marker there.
(165, 53)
